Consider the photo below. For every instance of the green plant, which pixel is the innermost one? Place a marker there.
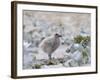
(37, 66)
(79, 39)
(85, 56)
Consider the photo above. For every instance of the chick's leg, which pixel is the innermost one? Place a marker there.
(49, 56)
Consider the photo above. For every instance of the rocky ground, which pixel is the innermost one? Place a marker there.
(60, 58)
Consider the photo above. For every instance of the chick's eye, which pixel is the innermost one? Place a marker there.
(56, 35)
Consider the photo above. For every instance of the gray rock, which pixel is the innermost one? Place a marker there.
(70, 63)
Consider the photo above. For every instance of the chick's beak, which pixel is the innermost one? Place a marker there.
(60, 35)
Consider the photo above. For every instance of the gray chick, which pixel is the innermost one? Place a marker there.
(50, 44)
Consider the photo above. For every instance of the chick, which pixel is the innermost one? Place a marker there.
(50, 44)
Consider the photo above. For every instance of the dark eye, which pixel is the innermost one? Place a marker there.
(56, 34)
